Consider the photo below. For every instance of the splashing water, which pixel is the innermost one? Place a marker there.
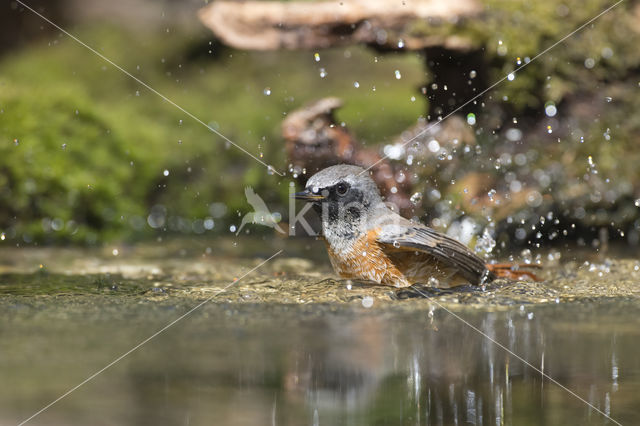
(416, 198)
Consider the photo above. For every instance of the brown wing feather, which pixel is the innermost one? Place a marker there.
(443, 248)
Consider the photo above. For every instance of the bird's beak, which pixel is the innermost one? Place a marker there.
(307, 195)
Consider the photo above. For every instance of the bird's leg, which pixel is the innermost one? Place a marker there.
(512, 270)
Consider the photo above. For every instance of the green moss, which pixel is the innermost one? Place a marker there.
(93, 145)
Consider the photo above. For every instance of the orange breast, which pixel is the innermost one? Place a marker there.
(365, 259)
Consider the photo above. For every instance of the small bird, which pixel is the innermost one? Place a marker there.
(367, 240)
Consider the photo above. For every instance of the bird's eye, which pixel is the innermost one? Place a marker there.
(342, 188)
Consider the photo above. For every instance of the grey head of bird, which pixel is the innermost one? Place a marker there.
(343, 194)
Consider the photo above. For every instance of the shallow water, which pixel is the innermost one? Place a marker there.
(291, 345)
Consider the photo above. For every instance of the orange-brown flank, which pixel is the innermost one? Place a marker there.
(367, 259)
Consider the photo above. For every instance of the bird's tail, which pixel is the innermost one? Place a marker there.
(513, 270)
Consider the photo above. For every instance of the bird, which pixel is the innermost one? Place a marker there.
(367, 240)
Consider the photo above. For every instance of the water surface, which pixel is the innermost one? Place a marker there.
(290, 345)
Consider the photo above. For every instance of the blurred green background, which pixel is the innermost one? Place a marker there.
(89, 155)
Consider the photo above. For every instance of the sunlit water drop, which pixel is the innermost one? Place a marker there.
(550, 109)
(416, 198)
(398, 75)
(471, 119)
(267, 91)
(367, 301)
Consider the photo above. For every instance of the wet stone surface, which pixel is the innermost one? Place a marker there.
(291, 344)
(169, 271)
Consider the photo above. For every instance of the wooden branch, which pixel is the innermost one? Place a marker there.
(270, 25)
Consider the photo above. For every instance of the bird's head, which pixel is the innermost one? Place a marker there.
(342, 190)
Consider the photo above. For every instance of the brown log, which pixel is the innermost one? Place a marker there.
(270, 25)
(315, 141)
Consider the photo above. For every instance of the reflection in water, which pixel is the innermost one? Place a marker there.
(328, 365)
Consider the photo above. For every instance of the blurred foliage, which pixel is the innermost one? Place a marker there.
(575, 168)
(88, 154)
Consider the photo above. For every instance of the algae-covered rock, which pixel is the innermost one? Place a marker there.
(87, 154)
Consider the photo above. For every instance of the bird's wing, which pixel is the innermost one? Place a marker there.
(416, 237)
(255, 201)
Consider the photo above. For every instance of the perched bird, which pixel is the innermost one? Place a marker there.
(367, 240)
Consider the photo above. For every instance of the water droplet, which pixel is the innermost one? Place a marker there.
(316, 56)
(323, 73)
(433, 145)
(166, 172)
(485, 243)
(267, 91)
(473, 74)
(416, 198)
(637, 203)
(2, 236)
(64, 146)
(367, 301)
(550, 109)
(471, 119)
(608, 98)
(270, 170)
(400, 44)
(398, 75)
(232, 228)
(356, 84)
(16, 142)
(396, 244)
(115, 251)
(511, 76)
